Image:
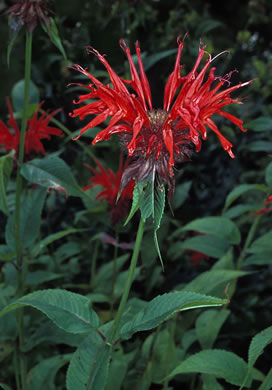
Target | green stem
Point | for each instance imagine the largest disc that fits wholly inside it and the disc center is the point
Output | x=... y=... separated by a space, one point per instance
x=129 y=281
x=19 y=188
x=19 y=180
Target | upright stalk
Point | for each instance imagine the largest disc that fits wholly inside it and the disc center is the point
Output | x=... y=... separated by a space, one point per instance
x=129 y=281
x=28 y=50
x=19 y=187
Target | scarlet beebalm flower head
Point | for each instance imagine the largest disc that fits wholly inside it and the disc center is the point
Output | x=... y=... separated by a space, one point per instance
x=118 y=202
x=156 y=139
x=28 y=13
x=37 y=129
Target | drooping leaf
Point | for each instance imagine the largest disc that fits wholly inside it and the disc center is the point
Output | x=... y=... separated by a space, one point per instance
x=163 y=307
x=51 y=171
x=89 y=366
x=69 y=311
x=30 y=219
x=52 y=31
x=219 y=363
x=5 y=171
x=257 y=345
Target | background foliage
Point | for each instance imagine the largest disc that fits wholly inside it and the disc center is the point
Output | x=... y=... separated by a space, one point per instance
x=215 y=196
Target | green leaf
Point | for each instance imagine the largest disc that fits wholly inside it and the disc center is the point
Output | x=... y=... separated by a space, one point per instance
x=117 y=371
x=181 y=193
x=267 y=382
x=257 y=345
x=262 y=258
x=219 y=363
x=209 y=280
x=42 y=376
x=268 y=174
x=209 y=245
x=17 y=95
x=148 y=199
x=38 y=277
x=159 y=204
x=259 y=146
x=50 y=239
x=88 y=369
x=30 y=219
x=210 y=383
x=67 y=310
x=6 y=254
x=135 y=203
x=208 y=325
x=149 y=61
x=240 y=190
x=263 y=123
x=52 y=172
x=262 y=244
x=47 y=332
x=5 y=171
x=163 y=307
x=220 y=227
x=52 y=31
x=240 y=209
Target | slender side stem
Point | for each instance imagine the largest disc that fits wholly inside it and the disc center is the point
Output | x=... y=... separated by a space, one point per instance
x=129 y=281
x=19 y=187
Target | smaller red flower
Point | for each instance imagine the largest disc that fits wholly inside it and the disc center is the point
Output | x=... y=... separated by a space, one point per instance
x=28 y=13
x=265 y=209
x=37 y=129
x=110 y=182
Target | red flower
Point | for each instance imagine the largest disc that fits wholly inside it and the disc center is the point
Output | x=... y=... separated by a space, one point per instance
x=37 y=129
x=266 y=209
x=156 y=138
x=28 y=13
x=110 y=182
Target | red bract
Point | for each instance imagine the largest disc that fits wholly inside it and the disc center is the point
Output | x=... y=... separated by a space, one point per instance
x=110 y=183
x=28 y=13
x=157 y=139
x=37 y=129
